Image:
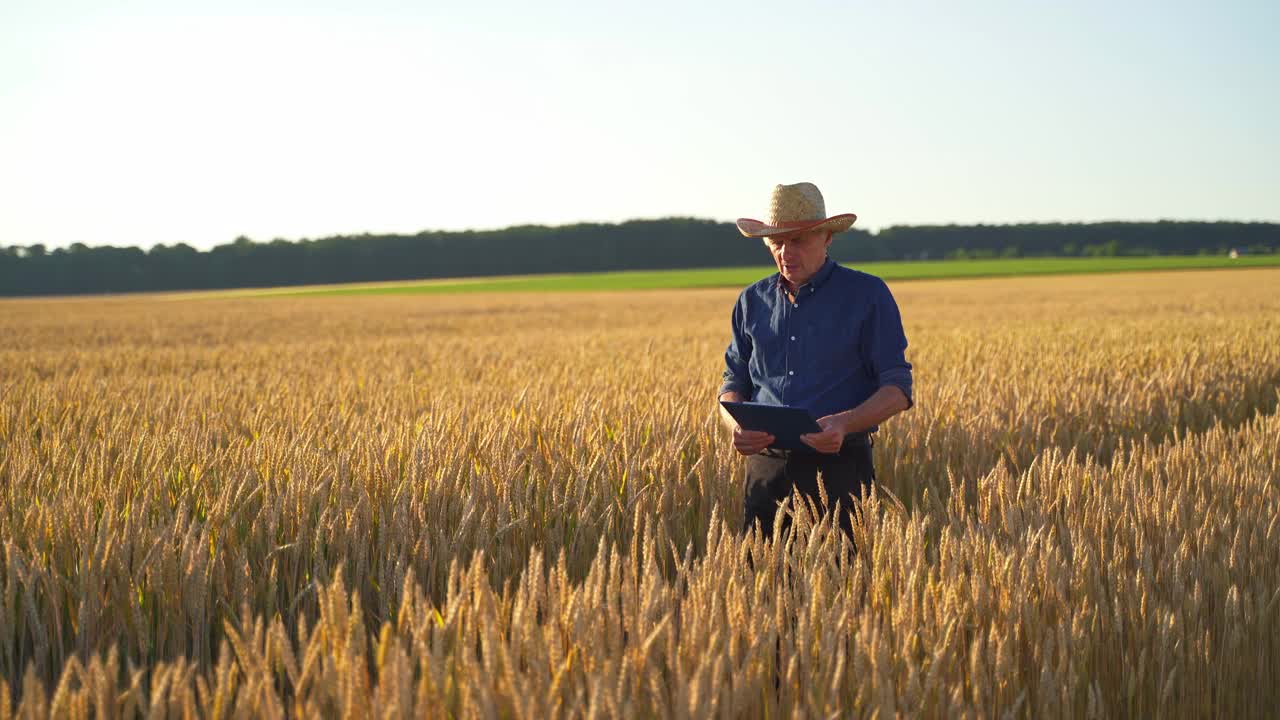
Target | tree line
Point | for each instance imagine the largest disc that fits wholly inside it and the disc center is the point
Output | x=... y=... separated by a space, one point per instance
x=669 y=243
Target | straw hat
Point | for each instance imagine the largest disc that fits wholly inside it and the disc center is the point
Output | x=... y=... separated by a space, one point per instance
x=795 y=209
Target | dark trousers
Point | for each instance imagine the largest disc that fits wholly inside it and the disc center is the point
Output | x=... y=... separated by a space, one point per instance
x=772 y=475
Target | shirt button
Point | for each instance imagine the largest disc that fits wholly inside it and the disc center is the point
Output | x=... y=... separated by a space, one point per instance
x=791 y=372
x=793 y=337
x=795 y=304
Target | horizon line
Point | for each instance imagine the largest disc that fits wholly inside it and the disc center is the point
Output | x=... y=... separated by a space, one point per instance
x=619 y=223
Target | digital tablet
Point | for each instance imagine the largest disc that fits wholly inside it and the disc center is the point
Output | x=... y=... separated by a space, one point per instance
x=786 y=424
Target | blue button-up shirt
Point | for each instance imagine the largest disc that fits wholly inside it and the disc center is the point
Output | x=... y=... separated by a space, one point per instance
x=827 y=352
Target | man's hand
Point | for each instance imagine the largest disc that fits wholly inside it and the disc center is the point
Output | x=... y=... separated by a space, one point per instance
x=750 y=442
x=747 y=442
x=830 y=439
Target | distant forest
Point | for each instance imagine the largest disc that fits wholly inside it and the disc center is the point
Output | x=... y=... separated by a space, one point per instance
x=636 y=245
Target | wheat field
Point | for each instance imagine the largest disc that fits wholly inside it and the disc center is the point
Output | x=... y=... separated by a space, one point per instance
x=522 y=505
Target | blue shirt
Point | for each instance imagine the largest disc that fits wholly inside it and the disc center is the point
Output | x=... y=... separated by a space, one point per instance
x=830 y=350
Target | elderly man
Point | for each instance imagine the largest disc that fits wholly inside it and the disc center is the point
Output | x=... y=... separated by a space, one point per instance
x=818 y=336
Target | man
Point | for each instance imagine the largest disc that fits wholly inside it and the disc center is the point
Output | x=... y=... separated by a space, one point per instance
x=822 y=337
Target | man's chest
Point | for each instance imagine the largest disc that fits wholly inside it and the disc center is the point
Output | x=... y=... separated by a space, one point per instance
x=812 y=333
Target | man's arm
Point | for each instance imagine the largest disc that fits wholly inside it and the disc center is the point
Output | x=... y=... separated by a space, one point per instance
x=737 y=384
x=725 y=417
x=883 y=404
x=737 y=371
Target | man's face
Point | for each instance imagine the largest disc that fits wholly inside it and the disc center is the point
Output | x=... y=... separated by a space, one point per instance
x=799 y=256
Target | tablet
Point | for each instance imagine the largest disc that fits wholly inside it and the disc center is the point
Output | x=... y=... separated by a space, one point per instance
x=786 y=424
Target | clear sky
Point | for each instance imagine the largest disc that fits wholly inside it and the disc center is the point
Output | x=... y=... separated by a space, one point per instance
x=134 y=123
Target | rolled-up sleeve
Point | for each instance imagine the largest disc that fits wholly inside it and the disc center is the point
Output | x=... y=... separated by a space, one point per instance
x=737 y=375
x=884 y=344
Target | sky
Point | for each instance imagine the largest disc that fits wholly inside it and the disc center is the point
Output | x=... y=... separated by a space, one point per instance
x=137 y=123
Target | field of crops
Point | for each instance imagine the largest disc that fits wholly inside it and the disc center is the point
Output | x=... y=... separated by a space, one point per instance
x=521 y=504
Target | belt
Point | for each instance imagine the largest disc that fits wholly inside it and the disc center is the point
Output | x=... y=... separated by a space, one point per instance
x=851 y=440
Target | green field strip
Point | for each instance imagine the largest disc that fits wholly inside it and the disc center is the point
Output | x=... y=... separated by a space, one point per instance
x=741 y=276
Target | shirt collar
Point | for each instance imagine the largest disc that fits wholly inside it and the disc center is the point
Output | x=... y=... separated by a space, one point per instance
x=815 y=282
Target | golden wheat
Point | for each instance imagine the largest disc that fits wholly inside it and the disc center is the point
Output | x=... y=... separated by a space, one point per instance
x=522 y=505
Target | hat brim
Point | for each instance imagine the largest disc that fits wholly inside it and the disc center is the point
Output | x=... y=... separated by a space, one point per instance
x=757 y=229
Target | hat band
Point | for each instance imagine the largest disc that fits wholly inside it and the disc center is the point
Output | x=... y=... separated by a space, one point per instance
x=797 y=223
